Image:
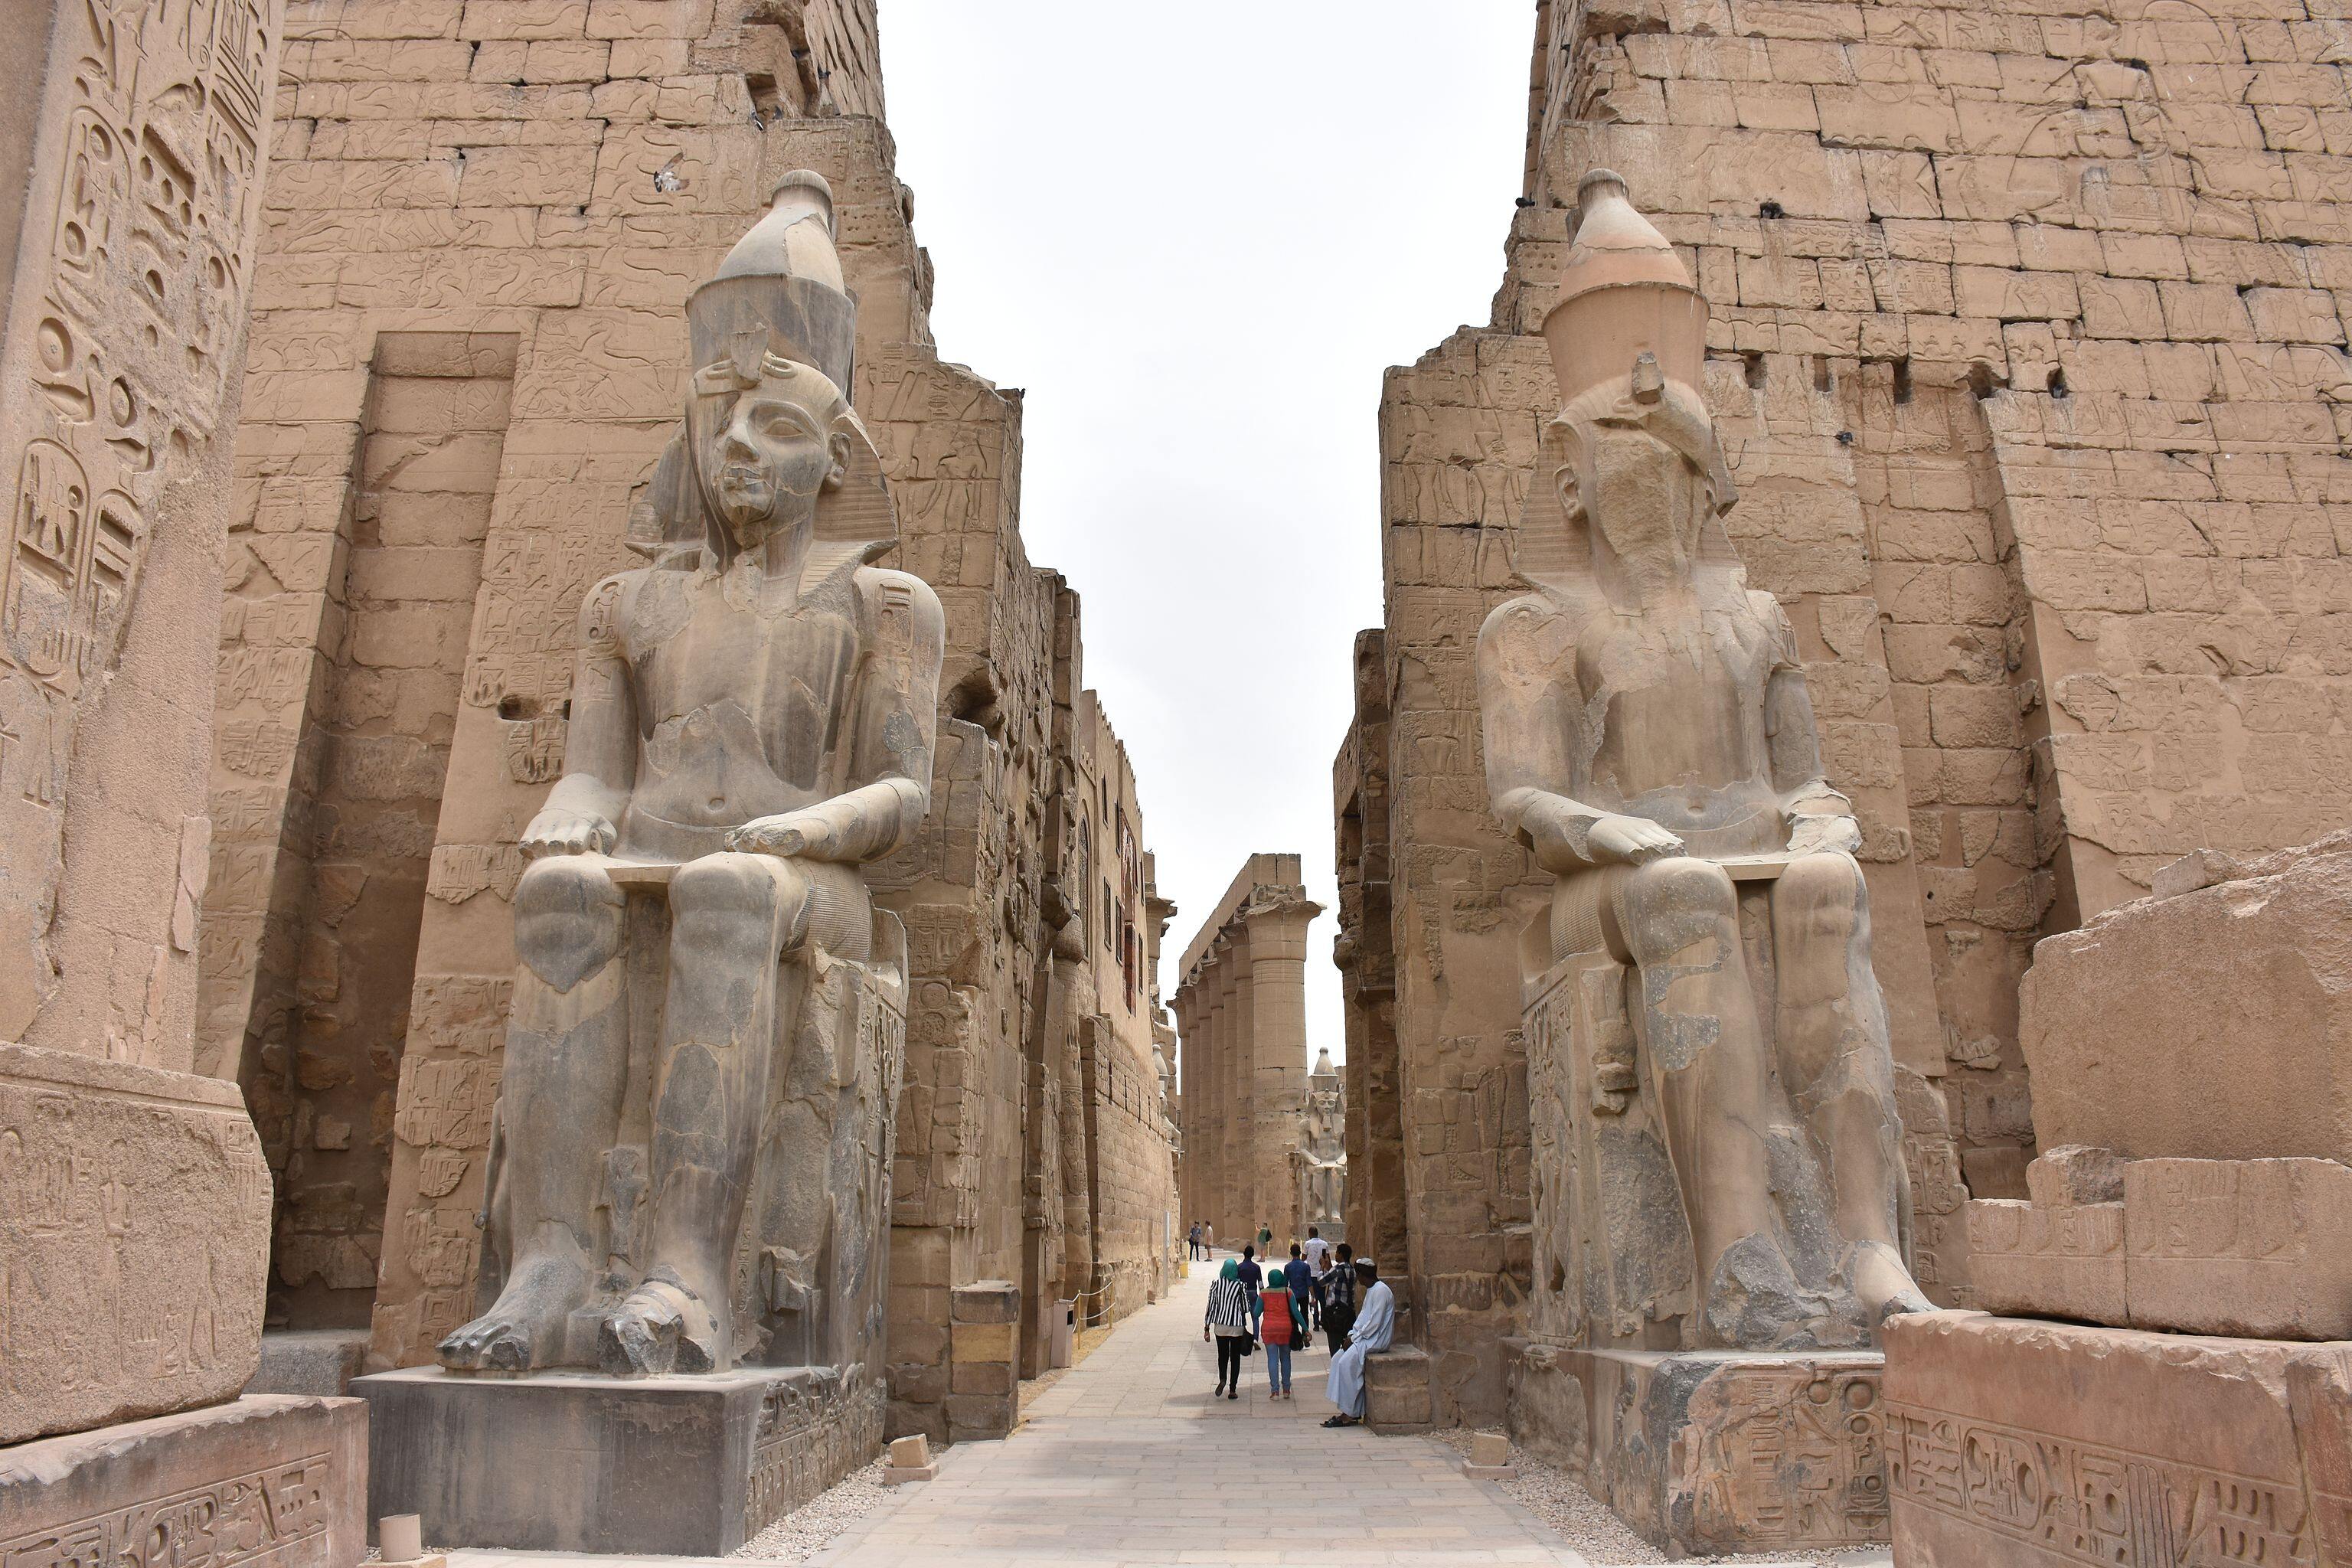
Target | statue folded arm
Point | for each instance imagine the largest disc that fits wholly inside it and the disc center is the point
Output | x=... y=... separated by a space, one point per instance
x=894 y=722
x=1530 y=716
x=1819 y=818
x=599 y=750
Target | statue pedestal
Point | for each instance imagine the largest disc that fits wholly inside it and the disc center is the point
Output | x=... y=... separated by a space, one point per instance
x=690 y=1466
x=1707 y=1452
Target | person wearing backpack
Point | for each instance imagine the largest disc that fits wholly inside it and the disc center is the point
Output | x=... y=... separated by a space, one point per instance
x=1339 y=1299
x=1276 y=1330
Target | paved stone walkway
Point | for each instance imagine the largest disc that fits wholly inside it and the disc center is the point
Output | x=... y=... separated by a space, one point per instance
x=1128 y=1460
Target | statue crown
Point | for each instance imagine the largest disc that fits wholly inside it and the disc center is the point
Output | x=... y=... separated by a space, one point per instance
x=1624 y=294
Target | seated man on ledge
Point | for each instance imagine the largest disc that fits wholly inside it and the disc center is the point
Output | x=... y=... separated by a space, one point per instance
x=1372 y=1330
x=749 y=729
x=1650 y=740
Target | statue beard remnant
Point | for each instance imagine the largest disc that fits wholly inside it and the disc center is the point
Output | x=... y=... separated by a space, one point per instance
x=696 y=1109
x=1649 y=739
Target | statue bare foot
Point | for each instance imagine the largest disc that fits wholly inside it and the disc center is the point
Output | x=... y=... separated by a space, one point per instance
x=1881 y=1282
x=660 y=1327
x=1754 y=1302
x=525 y=1325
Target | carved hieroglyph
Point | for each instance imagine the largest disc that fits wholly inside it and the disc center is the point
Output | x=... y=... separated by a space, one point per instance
x=1706 y=962
x=694 y=1126
x=125 y=334
x=134 y=1233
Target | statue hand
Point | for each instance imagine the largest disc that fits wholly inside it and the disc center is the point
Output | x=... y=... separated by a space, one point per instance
x=785 y=834
x=559 y=831
x=1634 y=840
x=1810 y=835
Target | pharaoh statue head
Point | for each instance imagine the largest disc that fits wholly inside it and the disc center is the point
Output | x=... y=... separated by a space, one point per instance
x=1640 y=480
x=771 y=445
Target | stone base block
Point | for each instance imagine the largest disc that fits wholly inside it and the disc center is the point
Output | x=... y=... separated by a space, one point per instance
x=1489 y=1472
x=2242 y=1248
x=266 y=1479
x=310 y=1360
x=896 y=1476
x=1705 y=1452
x=688 y=1467
x=1397 y=1399
x=2013 y=1443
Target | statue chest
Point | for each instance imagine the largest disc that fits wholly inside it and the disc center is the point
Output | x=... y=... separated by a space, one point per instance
x=1679 y=713
x=742 y=706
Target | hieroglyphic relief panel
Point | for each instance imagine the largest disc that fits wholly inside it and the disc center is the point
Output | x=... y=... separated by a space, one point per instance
x=267 y=1516
x=133 y=1229
x=124 y=345
x=2052 y=1501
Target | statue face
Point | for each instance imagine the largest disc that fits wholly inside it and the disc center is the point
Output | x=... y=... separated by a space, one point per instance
x=766 y=450
x=1648 y=500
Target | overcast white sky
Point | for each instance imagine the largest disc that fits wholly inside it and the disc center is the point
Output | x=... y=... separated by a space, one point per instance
x=1196 y=233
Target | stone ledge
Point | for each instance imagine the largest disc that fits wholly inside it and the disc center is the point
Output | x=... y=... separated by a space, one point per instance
x=2250 y=1249
x=267 y=1479
x=2018 y=1441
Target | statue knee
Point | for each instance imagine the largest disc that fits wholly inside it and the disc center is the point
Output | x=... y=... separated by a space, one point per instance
x=568 y=918
x=1685 y=887
x=730 y=888
x=1823 y=897
x=1674 y=902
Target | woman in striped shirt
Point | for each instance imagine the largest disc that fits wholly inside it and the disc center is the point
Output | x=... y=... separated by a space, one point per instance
x=1228 y=1321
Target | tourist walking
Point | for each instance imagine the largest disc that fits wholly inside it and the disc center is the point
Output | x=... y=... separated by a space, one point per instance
x=1317 y=1251
x=1339 y=1299
x=1227 y=1322
x=1192 y=1241
x=1375 y=1326
x=1277 y=1331
x=1301 y=1282
x=1252 y=1277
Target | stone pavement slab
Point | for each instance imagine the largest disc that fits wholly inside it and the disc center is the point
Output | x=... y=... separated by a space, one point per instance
x=1128 y=1460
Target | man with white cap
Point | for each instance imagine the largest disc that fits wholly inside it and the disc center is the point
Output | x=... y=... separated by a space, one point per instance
x=1374 y=1328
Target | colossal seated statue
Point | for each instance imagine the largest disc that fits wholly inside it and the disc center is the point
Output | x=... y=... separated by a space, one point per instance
x=1649 y=740
x=685 y=1130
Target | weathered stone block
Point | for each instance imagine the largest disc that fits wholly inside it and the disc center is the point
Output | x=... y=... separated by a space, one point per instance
x=266 y=1480
x=983 y=1342
x=2056 y=1259
x=1397 y=1396
x=2261 y=1248
x=2033 y=1443
x=580 y=1462
x=310 y=1360
x=134 y=1234
x=1718 y=1451
x=977 y=1418
x=987 y=1301
x=2211 y=1025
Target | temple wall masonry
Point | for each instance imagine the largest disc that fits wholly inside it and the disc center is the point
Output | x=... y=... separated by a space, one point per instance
x=2027 y=349
x=467 y=357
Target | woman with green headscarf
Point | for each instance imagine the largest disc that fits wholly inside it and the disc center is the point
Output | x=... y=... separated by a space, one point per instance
x=1228 y=1321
